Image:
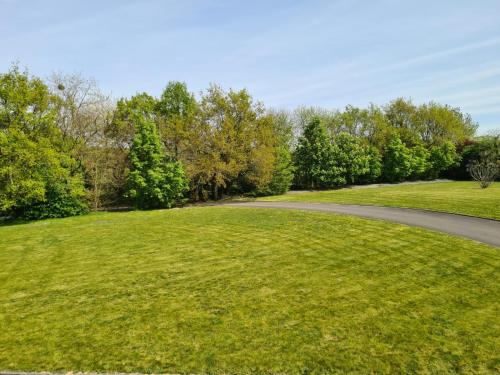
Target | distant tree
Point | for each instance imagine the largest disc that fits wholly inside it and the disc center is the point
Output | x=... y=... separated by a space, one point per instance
x=153 y=182
x=84 y=115
x=420 y=163
x=37 y=179
x=283 y=170
x=374 y=166
x=397 y=161
x=176 y=110
x=350 y=159
x=123 y=123
x=232 y=148
x=436 y=124
x=313 y=158
x=442 y=158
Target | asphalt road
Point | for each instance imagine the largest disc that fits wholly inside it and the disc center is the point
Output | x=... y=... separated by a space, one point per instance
x=482 y=230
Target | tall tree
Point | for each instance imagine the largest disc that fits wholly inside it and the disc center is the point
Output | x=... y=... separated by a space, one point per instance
x=313 y=157
x=37 y=178
x=176 y=111
x=84 y=115
x=153 y=181
x=398 y=162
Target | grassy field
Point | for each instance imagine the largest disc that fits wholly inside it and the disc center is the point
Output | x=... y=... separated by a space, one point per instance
x=238 y=290
x=457 y=197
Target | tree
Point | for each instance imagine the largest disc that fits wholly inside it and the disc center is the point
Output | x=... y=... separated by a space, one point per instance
x=436 y=124
x=442 y=158
x=397 y=161
x=374 y=166
x=283 y=169
x=153 y=182
x=401 y=115
x=232 y=149
x=37 y=179
x=84 y=115
x=420 y=164
x=176 y=110
x=350 y=158
x=313 y=158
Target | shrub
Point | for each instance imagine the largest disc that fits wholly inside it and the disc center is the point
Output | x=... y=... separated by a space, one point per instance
x=483 y=172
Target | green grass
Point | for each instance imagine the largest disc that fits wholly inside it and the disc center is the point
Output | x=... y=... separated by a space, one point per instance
x=239 y=290
x=465 y=198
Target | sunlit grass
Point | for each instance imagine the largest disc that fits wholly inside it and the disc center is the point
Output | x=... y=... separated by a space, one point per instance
x=238 y=290
x=456 y=197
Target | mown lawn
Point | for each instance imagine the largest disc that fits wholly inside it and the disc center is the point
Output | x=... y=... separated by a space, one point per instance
x=239 y=290
x=465 y=198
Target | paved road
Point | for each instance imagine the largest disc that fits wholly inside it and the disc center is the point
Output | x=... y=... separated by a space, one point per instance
x=482 y=230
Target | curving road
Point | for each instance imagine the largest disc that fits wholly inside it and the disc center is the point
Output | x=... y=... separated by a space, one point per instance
x=482 y=230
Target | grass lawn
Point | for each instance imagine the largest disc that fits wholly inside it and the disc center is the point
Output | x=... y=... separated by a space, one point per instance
x=239 y=290
x=457 y=197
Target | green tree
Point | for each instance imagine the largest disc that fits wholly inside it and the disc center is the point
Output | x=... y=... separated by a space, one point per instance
x=176 y=110
x=442 y=158
x=283 y=171
x=232 y=149
x=313 y=158
x=350 y=158
x=420 y=164
x=374 y=166
x=37 y=178
x=153 y=182
x=397 y=161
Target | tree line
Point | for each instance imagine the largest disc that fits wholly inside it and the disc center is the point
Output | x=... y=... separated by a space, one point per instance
x=66 y=147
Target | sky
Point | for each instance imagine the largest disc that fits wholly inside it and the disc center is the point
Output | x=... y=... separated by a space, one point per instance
x=286 y=53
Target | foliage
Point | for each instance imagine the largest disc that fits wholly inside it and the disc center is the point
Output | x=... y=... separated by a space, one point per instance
x=234 y=146
x=176 y=109
x=351 y=158
x=313 y=158
x=153 y=182
x=483 y=172
x=442 y=158
x=37 y=178
x=420 y=163
x=374 y=166
x=84 y=115
x=397 y=161
x=283 y=170
x=226 y=142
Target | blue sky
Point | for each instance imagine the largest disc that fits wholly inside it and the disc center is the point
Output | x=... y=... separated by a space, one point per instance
x=286 y=53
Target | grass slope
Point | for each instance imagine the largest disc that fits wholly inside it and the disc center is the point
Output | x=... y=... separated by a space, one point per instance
x=237 y=290
x=456 y=197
